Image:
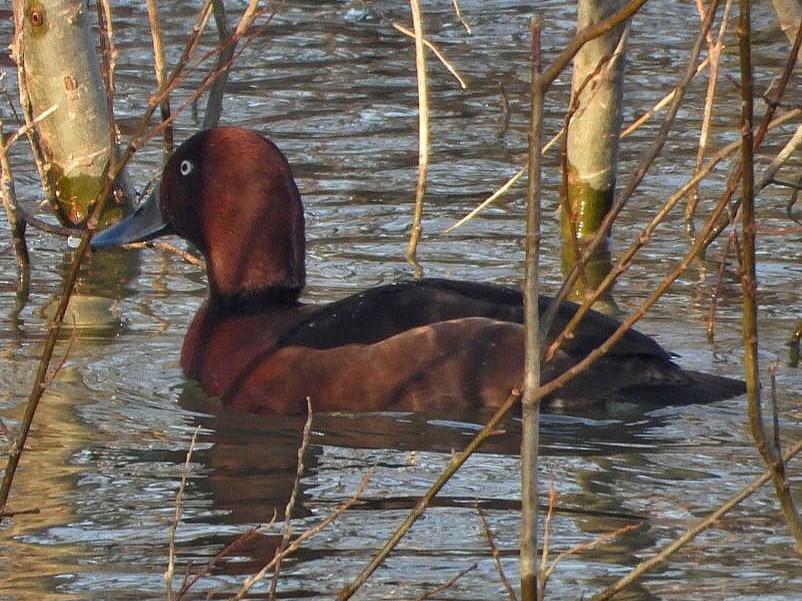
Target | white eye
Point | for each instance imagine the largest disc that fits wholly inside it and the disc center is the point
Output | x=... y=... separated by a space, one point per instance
x=186 y=167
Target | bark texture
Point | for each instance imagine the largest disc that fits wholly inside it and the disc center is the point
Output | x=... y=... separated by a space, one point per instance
x=59 y=71
x=592 y=145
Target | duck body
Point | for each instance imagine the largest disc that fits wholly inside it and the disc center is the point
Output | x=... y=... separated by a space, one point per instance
x=422 y=345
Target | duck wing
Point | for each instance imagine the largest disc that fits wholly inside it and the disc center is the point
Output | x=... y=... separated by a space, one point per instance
x=384 y=311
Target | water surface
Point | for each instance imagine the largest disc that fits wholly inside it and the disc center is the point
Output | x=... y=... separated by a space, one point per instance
x=333 y=84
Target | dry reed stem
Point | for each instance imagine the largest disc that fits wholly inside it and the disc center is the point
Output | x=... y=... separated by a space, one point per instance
x=692 y=532
x=714 y=48
x=660 y=104
x=505 y=187
x=495 y=554
x=716 y=295
x=15 y=220
x=179 y=511
x=602 y=539
x=780 y=159
x=160 y=71
x=190 y=580
x=303 y=537
x=423 y=135
x=530 y=401
x=437 y=52
x=290 y=507
x=448 y=584
x=547 y=568
x=458 y=12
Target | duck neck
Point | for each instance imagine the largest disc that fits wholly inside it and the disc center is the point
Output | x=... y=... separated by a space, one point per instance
x=253 y=301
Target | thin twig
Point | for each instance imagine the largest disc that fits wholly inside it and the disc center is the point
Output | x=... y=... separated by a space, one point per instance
x=690 y=534
x=448 y=584
x=787 y=151
x=290 y=507
x=505 y=187
x=547 y=567
x=172 y=249
x=495 y=554
x=296 y=544
x=714 y=48
x=437 y=52
x=771 y=456
x=660 y=105
x=455 y=4
x=544 y=554
x=161 y=72
x=10 y=513
x=530 y=401
x=190 y=580
x=420 y=507
x=179 y=511
x=716 y=295
x=15 y=221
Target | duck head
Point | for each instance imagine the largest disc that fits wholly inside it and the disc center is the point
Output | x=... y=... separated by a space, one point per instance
x=230 y=192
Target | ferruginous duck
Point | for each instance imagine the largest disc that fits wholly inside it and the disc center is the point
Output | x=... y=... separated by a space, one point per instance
x=428 y=344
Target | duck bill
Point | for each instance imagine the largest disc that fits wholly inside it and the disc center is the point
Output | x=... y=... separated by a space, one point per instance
x=146 y=223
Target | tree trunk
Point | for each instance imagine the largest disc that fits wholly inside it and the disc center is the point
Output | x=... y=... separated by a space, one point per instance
x=592 y=147
x=59 y=71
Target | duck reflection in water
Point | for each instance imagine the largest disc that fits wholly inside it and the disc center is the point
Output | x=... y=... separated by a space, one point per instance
x=250 y=469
